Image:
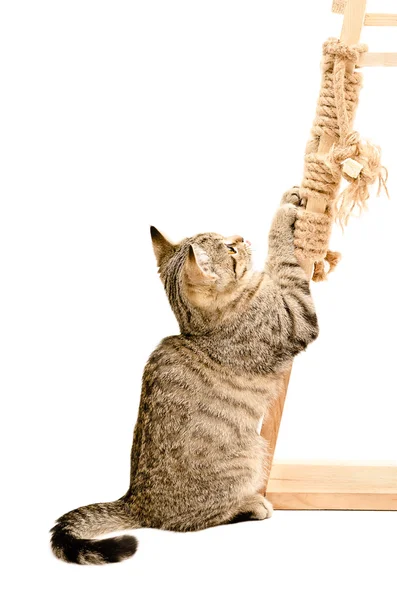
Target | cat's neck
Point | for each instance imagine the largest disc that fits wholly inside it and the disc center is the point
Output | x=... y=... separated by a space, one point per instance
x=210 y=312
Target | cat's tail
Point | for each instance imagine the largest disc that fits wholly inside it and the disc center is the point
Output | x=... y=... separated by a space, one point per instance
x=72 y=535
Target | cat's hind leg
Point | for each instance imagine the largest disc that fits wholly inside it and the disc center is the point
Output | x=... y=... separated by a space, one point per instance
x=254 y=508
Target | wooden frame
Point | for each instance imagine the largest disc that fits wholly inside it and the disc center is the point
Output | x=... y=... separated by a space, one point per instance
x=339 y=486
x=352 y=10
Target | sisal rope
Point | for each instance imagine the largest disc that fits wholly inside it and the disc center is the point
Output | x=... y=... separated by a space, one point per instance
x=355 y=160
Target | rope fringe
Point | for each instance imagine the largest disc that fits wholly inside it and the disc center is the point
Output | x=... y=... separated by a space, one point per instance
x=356 y=194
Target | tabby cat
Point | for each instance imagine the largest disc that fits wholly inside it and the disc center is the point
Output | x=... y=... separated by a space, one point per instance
x=197 y=459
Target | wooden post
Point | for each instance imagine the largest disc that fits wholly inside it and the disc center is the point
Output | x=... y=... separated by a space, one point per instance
x=351 y=31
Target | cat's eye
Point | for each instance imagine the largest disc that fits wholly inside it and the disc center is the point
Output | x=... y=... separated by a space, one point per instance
x=231 y=249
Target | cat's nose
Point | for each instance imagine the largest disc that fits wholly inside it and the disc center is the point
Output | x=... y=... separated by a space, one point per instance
x=247 y=242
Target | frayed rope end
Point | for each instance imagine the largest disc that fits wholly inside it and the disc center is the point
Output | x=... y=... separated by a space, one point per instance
x=359 y=163
x=319 y=272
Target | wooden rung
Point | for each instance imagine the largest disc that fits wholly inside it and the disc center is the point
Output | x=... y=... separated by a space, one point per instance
x=333 y=486
x=380 y=20
x=378 y=59
x=370 y=19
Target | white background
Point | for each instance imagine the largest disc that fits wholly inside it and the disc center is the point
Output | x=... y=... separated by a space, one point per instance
x=191 y=116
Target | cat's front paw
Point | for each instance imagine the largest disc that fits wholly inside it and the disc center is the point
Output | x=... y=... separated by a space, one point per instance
x=255 y=508
x=292 y=196
x=263 y=509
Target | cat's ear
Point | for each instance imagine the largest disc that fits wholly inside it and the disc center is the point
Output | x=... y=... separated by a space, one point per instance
x=163 y=249
x=197 y=267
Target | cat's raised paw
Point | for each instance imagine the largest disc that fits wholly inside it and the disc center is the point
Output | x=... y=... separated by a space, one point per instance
x=293 y=196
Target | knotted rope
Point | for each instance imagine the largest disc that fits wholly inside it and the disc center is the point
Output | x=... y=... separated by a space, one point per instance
x=357 y=161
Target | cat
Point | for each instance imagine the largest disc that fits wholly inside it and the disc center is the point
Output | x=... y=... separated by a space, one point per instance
x=197 y=459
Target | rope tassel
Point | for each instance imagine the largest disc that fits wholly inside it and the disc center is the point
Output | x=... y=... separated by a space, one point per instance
x=359 y=163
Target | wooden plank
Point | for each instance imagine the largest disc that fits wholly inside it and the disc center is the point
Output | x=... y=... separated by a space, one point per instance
x=333 y=486
x=380 y=20
x=370 y=19
x=270 y=426
x=378 y=59
x=353 y=22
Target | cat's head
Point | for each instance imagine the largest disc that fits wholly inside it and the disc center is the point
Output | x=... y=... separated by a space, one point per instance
x=205 y=269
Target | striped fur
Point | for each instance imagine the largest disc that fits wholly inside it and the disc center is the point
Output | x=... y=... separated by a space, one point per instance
x=197 y=459
x=71 y=535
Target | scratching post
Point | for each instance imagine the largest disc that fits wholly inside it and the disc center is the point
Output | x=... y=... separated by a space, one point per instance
x=334 y=151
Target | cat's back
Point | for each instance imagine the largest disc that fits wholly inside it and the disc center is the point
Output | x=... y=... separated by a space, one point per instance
x=182 y=373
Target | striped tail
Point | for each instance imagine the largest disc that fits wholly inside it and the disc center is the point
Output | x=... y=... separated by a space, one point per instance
x=72 y=535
